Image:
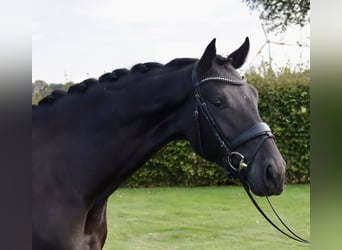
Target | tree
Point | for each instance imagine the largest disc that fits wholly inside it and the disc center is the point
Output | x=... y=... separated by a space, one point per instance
x=39 y=89
x=279 y=14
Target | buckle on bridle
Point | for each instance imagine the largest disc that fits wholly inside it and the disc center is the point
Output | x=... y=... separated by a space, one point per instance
x=239 y=167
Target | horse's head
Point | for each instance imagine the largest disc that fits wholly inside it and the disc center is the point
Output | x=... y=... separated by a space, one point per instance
x=229 y=130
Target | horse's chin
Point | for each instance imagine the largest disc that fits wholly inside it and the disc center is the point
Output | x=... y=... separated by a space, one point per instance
x=259 y=189
x=261 y=193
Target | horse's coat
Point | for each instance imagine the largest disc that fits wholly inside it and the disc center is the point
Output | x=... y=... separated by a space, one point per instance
x=86 y=142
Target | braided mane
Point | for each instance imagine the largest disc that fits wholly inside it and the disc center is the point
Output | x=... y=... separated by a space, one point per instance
x=111 y=77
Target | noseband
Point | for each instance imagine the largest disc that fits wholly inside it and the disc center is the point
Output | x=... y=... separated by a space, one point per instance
x=261 y=129
x=235 y=169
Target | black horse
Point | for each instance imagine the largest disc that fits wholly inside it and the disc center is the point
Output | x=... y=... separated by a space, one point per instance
x=87 y=141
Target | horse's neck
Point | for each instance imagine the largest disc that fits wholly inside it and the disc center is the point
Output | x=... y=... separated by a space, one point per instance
x=138 y=123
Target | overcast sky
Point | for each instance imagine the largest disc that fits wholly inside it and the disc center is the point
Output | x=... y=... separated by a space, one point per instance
x=76 y=39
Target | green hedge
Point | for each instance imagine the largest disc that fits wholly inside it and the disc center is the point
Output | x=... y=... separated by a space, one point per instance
x=176 y=164
x=284 y=100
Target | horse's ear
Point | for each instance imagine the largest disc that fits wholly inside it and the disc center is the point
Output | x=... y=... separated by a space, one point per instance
x=238 y=57
x=207 y=58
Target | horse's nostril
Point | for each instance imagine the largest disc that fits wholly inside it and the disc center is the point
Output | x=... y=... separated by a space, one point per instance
x=273 y=180
x=269 y=174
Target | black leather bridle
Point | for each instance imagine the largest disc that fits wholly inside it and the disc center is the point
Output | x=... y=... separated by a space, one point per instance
x=234 y=162
x=260 y=129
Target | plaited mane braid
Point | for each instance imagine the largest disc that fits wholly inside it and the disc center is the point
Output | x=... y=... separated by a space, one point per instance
x=111 y=77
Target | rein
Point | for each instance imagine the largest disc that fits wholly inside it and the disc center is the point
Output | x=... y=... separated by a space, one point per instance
x=233 y=169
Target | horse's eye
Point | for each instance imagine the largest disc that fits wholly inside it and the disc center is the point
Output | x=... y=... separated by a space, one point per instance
x=217 y=102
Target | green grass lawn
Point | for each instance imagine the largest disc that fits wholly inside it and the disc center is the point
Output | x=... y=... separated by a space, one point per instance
x=203 y=218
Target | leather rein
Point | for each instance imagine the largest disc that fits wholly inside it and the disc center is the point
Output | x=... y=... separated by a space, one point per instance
x=234 y=162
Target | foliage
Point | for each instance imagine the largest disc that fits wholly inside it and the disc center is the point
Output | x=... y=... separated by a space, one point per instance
x=41 y=89
x=284 y=99
x=280 y=14
x=176 y=164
